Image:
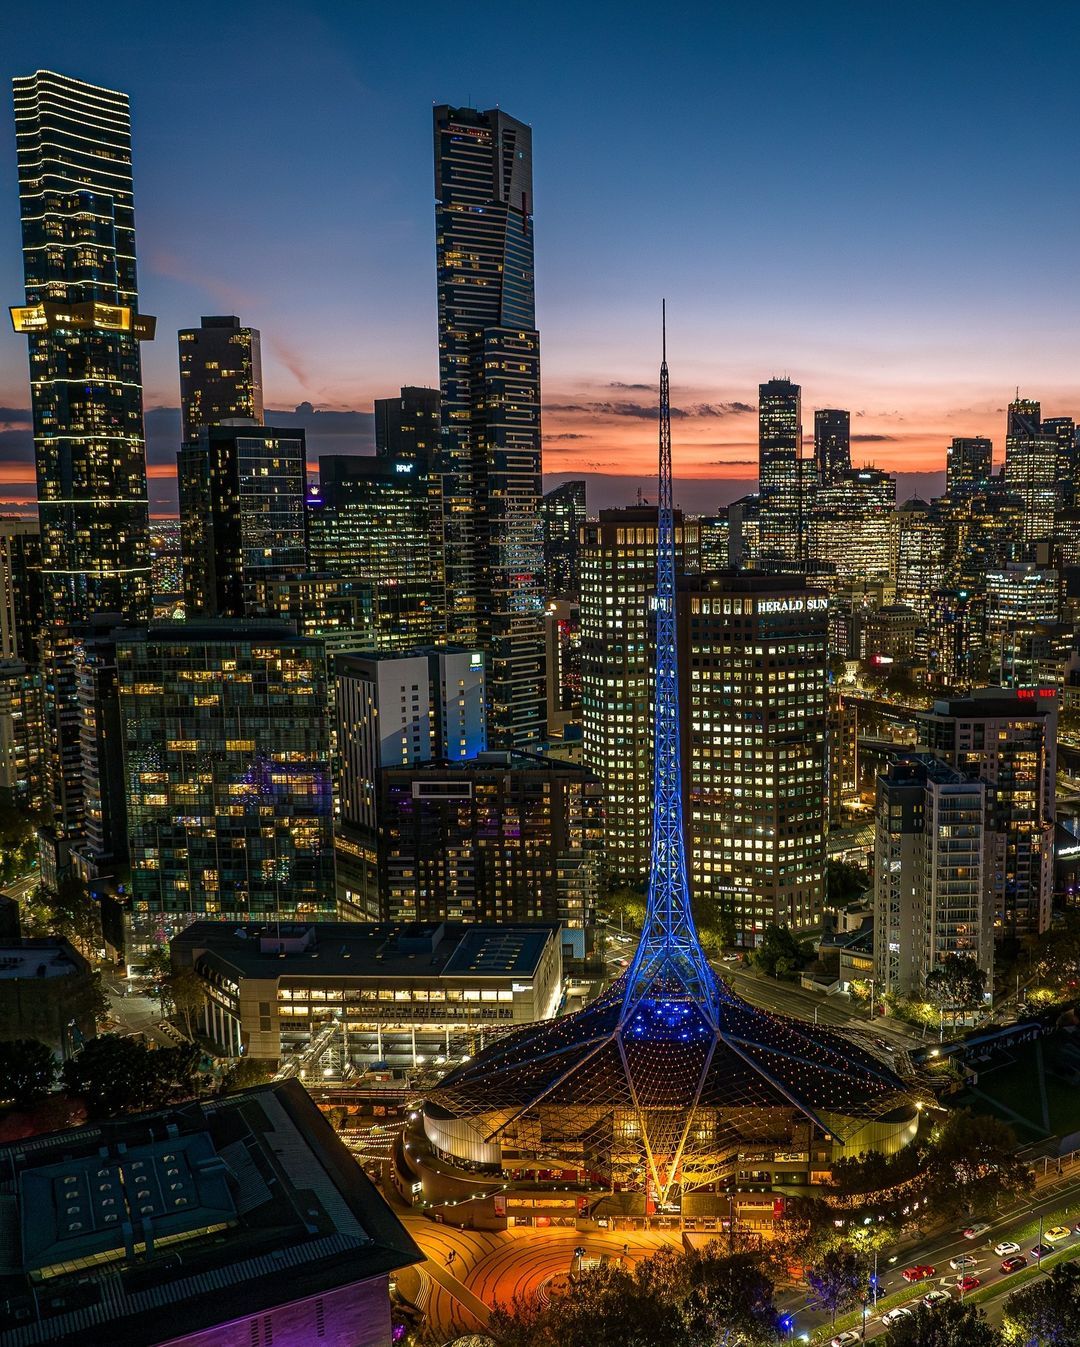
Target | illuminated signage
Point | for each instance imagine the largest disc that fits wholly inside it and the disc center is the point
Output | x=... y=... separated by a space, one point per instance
x=792 y=605
x=476 y=660
x=403 y=467
x=1030 y=694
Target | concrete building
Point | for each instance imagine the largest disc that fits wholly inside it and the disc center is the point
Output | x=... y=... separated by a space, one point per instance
x=22 y=736
x=47 y=992
x=225 y=1223
x=21 y=614
x=358 y=993
x=930 y=896
x=563 y=630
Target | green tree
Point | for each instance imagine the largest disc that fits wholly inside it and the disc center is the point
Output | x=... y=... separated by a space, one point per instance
x=781 y=951
x=956 y=981
x=27 y=1071
x=605 y=1307
x=730 y=1299
x=1047 y=1312
x=243 y=1073
x=845 y=881
x=186 y=993
x=972 y=1165
x=75 y=914
x=158 y=973
x=950 y=1324
x=839 y=1280
x=115 y=1074
x=18 y=843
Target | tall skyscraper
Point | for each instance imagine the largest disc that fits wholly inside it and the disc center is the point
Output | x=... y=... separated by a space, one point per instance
x=832 y=443
x=242 y=492
x=407 y=427
x=21 y=613
x=968 y=466
x=82 y=320
x=782 y=480
x=220 y=374
x=563 y=513
x=489 y=373
x=1062 y=430
x=1031 y=468
x=850 y=528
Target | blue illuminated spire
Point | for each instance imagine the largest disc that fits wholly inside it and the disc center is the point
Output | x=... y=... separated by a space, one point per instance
x=669 y=965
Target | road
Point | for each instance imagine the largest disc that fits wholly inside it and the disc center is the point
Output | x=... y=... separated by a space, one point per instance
x=135 y=1014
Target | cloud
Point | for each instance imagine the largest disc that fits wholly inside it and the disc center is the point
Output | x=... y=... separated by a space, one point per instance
x=566 y=435
x=742 y=462
x=636 y=388
x=871 y=439
x=647 y=411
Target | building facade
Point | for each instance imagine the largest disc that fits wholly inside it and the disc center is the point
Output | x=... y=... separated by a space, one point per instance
x=968 y=466
x=22 y=736
x=489 y=374
x=562 y=513
x=21 y=613
x=1031 y=468
x=407 y=427
x=782 y=481
x=832 y=443
x=220 y=375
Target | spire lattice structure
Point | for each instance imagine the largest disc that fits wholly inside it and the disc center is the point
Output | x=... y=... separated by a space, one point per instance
x=669 y=963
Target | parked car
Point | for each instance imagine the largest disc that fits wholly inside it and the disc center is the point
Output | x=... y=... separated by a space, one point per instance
x=1006 y=1247
x=967 y=1282
x=1056 y=1234
x=974 y=1231
x=918 y=1273
x=1014 y=1264
x=845 y=1339
x=936 y=1297
x=961 y=1261
x=1076 y=1228
x=1041 y=1250
x=891 y=1317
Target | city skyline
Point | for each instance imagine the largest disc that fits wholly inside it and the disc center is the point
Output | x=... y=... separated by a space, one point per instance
x=890 y=299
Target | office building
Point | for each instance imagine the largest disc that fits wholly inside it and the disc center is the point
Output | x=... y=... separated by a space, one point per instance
x=378 y=522
x=497 y=837
x=394 y=995
x=241 y=1219
x=851 y=527
x=228 y=773
x=1062 y=430
x=242 y=491
x=755 y=727
x=489 y=373
x=968 y=466
x=562 y=514
x=22 y=736
x=101 y=852
x=21 y=612
x=930 y=897
x=1031 y=468
x=715 y=532
x=889 y=634
x=957 y=656
x=744 y=532
x=407 y=427
x=1009 y=740
x=563 y=629
x=83 y=327
x=982 y=533
x=783 y=484
x=618 y=578
x=220 y=375
x=920 y=556
x=832 y=443
x=395 y=711
x=47 y=991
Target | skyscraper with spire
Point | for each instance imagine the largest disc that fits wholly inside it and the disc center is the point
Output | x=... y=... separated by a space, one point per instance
x=489 y=373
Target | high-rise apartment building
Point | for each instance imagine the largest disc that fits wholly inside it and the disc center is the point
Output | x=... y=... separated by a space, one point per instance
x=783 y=482
x=920 y=555
x=957 y=656
x=968 y=466
x=563 y=626
x=618 y=580
x=395 y=711
x=228 y=773
x=562 y=513
x=378 y=521
x=850 y=527
x=753 y=656
x=930 y=898
x=21 y=613
x=242 y=491
x=1062 y=430
x=22 y=736
x=83 y=325
x=407 y=427
x=489 y=373
x=1031 y=468
x=832 y=443
x=1009 y=740
x=220 y=375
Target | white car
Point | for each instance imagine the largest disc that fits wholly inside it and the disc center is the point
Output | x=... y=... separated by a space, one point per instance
x=974 y=1231
x=1006 y=1247
x=891 y=1317
x=935 y=1297
x=962 y=1261
x=846 y=1338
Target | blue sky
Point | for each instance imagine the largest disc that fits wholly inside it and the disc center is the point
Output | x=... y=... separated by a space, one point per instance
x=878 y=200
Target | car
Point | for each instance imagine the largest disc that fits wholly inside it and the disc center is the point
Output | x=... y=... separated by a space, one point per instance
x=1076 y=1228
x=1013 y=1264
x=918 y=1273
x=1056 y=1234
x=974 y=1231
x=935 y=1297
x=846 y=1338
x=1041 y=1250
x=967 y=1282
x=1006 y=1247
x=962 y=1261
x=891 y=1317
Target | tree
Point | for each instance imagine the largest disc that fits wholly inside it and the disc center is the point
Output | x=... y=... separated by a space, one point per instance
x=781 y=951
x=971 y=1165
x=1047 y=1312
x=27 y=1071
x=243 y=1074
x=187 y=994
x=730 y=1299
x=75 y=914
x=115 y=1074
x=845 y=881
x=951 y=1324
x=956 y=981
x=158 y=972
x=839 y=1280
x=18 y=843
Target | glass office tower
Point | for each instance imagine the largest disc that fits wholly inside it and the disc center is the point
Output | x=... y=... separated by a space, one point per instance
x=489 y=371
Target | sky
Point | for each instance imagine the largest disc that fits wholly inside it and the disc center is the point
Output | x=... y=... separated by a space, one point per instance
x=878 y=201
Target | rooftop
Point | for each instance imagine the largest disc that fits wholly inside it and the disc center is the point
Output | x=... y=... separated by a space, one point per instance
x=246 y=1201
x=48 y=957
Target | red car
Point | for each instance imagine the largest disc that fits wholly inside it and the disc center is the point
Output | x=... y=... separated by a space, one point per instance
x=917 y=1274
x=967 y=1282
x=1014 y=1264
